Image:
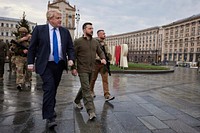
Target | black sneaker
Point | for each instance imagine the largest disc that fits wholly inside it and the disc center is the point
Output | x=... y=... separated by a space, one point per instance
x=108 y=98
x=51 y=123
x=54 y=115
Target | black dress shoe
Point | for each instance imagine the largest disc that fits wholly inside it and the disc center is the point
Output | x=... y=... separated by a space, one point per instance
x=19 y=87
x=54 y=115
x=51 y=123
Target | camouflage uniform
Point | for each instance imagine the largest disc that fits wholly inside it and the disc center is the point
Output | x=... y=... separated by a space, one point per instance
x=23 y=76
x=12 y=65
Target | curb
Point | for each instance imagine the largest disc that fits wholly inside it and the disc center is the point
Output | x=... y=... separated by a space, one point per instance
x=143 y=71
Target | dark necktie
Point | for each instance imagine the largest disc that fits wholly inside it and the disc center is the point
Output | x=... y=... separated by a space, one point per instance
x=55 y=46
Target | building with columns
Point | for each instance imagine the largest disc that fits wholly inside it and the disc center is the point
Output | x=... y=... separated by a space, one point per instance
x=177 y=41
x=68 y=14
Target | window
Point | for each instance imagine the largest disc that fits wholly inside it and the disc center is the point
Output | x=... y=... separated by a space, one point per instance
x=2 y=24
x=193 y=23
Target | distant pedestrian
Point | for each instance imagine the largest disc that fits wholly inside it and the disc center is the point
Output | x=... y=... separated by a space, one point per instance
x=86 y=48
x=101 y=68
x=3 y=53
x=51 y=50
x=12 y=58
x=198 y=64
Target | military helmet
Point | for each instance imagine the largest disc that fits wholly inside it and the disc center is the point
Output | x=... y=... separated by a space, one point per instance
x=23 y=29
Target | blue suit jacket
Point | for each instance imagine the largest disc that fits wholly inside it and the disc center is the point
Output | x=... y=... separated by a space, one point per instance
x=39 y=48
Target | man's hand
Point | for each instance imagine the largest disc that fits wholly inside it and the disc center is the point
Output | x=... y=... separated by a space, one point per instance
x=103 y=61
x=31 y=67
x=26 y=38
x=74 y=72
x=25 y=51
x=70 y=63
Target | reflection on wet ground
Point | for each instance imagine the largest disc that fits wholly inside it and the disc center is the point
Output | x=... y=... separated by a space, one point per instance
x=144 y=103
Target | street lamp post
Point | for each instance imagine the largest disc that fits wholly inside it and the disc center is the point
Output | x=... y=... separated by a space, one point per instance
x=77 y=22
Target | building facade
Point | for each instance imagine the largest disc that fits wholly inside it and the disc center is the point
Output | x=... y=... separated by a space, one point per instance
x=68 y=14
x=10 y=25
x=143 y=46
x=178 y=41
x=182 y=40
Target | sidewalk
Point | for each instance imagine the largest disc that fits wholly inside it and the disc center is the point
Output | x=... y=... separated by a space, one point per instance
x=144 y=103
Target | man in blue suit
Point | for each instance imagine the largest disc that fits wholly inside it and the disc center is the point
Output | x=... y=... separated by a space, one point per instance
x=50 y=51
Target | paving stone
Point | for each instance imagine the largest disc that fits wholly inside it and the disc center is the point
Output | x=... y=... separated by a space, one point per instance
x=128 y=121
x=158 y=100
x=188 y=120
x=160 y=114
x=154 y=101
x=137 y=98
x=171 y=110
x=152 y=122
x=180 y=127
x=163 y=131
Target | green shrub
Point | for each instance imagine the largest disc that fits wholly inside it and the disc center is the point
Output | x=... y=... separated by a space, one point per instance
x=139 y=66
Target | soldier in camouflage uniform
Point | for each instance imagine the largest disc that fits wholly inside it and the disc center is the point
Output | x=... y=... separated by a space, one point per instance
x=23 y=76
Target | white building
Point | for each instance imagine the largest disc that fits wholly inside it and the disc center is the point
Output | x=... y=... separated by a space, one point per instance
x=8 y=26
x=177 y=41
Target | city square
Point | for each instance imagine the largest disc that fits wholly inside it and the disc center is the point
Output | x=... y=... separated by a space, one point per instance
x=145 y=55
x=144 y=103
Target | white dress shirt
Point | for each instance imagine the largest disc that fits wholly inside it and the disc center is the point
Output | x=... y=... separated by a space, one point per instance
x=51 y=28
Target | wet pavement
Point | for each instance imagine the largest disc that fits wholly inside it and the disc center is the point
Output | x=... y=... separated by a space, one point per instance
x=144 y=103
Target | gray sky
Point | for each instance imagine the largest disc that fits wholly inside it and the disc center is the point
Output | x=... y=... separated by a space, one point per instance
x=114 y=16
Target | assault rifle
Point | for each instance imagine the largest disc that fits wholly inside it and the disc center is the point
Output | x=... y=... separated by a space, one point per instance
x=107 y=60
x=18 y=44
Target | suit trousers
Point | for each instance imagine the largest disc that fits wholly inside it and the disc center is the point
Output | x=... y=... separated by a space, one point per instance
x=84 y=92
x=51 y=79
x=2 y=62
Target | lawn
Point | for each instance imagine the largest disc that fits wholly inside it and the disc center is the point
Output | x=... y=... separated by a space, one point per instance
x=139 y=66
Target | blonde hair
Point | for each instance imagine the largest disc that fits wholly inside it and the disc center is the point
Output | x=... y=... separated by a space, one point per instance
x=51 y=12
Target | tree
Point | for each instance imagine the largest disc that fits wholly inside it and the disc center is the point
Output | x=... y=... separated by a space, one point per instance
x=22 y=23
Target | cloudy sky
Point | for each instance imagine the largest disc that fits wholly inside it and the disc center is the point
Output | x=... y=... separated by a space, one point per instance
x=114 y=16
